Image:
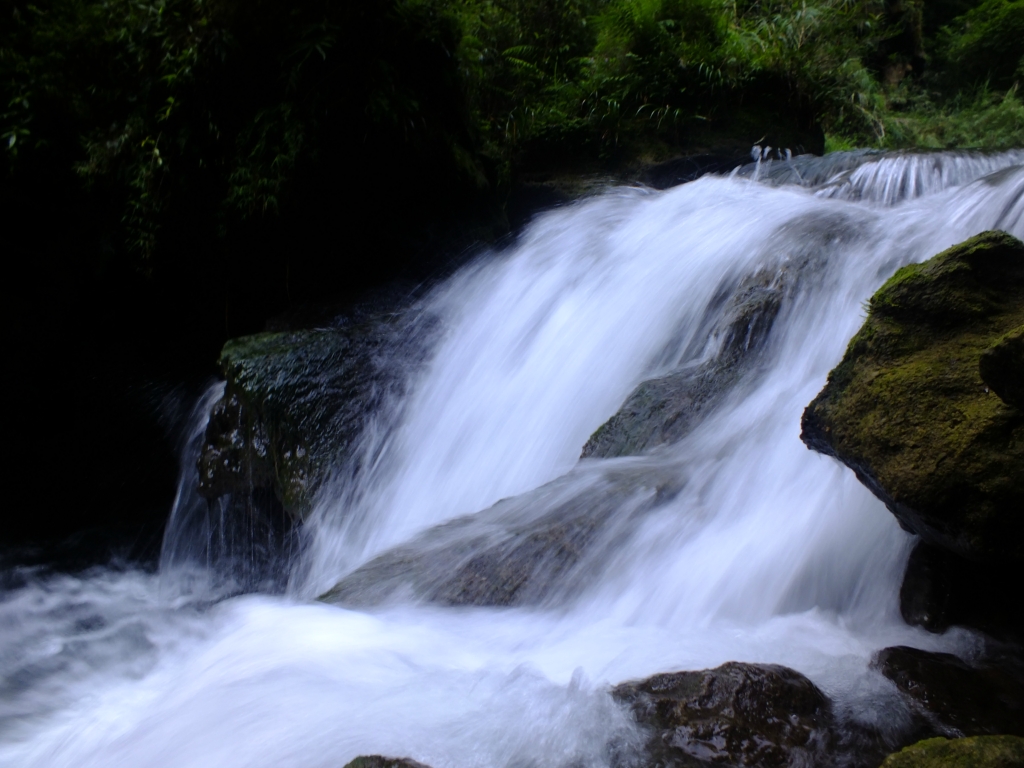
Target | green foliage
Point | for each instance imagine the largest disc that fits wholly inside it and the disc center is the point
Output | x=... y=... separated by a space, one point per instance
x=987 y=119
x=221 y=104
x=169 y=109
x=986 y=44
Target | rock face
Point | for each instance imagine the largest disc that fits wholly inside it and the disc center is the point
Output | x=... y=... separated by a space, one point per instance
x=974 y=752
x=1002 y=368
x=737 y=715
x=294 y=404
x=941 y=589
x=922 y=405
x=959 y=699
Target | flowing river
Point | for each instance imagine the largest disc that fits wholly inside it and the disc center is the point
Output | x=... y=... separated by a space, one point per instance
x=762 y=551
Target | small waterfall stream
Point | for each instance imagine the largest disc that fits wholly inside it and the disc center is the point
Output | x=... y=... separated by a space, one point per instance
x=733 y=543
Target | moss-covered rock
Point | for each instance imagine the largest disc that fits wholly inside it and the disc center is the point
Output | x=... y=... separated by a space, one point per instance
x=972 y=752
x=295 y=402
x=1002 y=368
x=738 y=714
x=907 y=408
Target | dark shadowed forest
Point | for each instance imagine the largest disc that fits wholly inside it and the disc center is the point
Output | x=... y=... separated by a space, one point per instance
x=177 y=173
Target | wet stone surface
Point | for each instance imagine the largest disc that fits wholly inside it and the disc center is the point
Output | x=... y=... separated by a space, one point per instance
x=957 y=698
x=736 y=715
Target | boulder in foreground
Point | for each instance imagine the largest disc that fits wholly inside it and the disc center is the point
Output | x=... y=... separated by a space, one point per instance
x=738 y=714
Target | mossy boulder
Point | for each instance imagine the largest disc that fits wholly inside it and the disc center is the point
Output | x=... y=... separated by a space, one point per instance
x=295 y=403
x=1002 y=367
x=908 y=408
x=738 y=714
x=971 y=752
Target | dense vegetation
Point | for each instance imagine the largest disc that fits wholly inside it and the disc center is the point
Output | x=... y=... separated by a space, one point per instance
x=174 y=172
x=211 y=112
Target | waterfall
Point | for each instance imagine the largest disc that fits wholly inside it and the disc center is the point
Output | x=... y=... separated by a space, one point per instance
x=733 y=542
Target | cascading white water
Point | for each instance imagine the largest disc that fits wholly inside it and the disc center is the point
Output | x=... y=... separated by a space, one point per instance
x=767 y=552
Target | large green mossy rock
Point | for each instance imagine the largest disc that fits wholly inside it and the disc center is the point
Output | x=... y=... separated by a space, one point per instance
x=924 y=405
x=973 y=752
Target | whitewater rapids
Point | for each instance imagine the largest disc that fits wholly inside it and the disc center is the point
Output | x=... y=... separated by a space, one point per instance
x=769 y=552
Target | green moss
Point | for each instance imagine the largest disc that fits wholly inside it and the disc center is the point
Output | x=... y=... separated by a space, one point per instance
x=974 y=752
x=908 y=410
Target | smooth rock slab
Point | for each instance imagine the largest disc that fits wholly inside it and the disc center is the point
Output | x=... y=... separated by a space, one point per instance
x=544 y=545
x=941 y=589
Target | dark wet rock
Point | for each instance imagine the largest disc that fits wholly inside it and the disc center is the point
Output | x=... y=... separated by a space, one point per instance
x=664 y=409
x=731 y=344
x=295 y=402
x=521 y=551
x=908 y=411
x=941 y=589
x=378 y=761
x=971 y=752
x=761 y=715
x=960 y=699
x=1002 y=368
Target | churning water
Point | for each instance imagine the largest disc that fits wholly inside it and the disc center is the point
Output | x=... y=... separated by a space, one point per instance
x=762 y=551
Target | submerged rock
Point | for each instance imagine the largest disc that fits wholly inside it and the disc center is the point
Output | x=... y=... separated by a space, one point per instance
x=972 y=752
x=379 y=761
x=957 y=698
x=730 y=345
x=908 y=410
x=738 y=714
x=664 y=409
x=521 y=551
